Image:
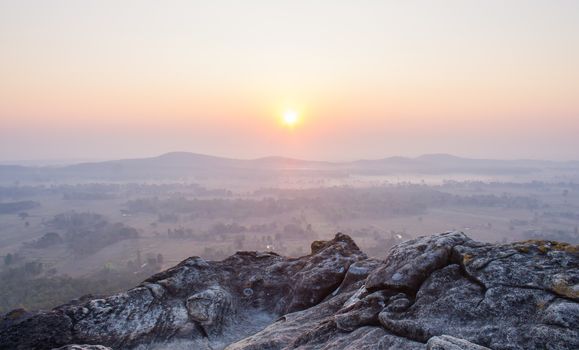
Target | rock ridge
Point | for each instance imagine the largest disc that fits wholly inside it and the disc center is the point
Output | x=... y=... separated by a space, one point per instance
x=444 y=291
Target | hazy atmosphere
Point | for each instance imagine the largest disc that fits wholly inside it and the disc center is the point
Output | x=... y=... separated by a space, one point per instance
x=284 y=175
x=369 y=79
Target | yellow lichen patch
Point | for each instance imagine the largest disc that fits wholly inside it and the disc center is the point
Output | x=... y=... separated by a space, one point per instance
x=544 y=249
x=466 y=258
x=316 y=246
x=541 y=304
x=545 y=246
x=565 y=247
x=535 y=241
x=561 y=287
x=559 y=245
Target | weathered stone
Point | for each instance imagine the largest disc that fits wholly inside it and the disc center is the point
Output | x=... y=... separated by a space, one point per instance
x=362 y=313
x=410 y=263
x=211 y=308
x=83 y=347
x=563 y=314
x=196 y=299
x=44 y=330
x=446 y=342
x=439 y=292
x=542 y=265
x=461 y=298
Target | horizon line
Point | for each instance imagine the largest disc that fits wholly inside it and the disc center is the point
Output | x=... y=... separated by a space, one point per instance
x=50 y=162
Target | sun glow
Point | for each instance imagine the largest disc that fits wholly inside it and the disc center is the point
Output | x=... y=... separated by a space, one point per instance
x=290 y=118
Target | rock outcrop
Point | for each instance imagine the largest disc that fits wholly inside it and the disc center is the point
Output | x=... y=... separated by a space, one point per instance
x=84 y=347
x=443 y=292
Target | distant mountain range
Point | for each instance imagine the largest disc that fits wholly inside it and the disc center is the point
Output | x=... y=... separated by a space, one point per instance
x=185 y=165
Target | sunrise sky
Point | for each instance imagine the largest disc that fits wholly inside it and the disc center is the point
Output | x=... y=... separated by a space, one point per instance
x=366 y=79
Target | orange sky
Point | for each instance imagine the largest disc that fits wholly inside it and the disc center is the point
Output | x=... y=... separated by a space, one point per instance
x=108 y=79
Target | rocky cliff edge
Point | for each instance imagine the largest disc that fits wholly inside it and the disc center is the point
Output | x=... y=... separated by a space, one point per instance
x=439 y=292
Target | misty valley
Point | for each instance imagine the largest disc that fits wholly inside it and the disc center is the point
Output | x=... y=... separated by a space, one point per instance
x=289 y=175
x=67 y=237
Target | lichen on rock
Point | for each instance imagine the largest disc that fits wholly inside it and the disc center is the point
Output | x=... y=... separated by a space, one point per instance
x=439 y=292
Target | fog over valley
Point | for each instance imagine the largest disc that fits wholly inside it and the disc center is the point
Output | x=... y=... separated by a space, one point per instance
x=289 y=175
x=101 y=227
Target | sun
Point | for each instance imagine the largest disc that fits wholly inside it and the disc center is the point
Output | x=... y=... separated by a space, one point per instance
x=290 y=118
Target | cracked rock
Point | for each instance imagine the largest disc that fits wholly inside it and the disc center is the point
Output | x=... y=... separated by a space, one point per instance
x=439 y=292
x=210 y=308
x=446 y=342
x=410 y=263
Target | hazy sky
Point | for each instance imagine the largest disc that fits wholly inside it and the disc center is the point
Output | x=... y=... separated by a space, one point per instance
x=115 y=79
